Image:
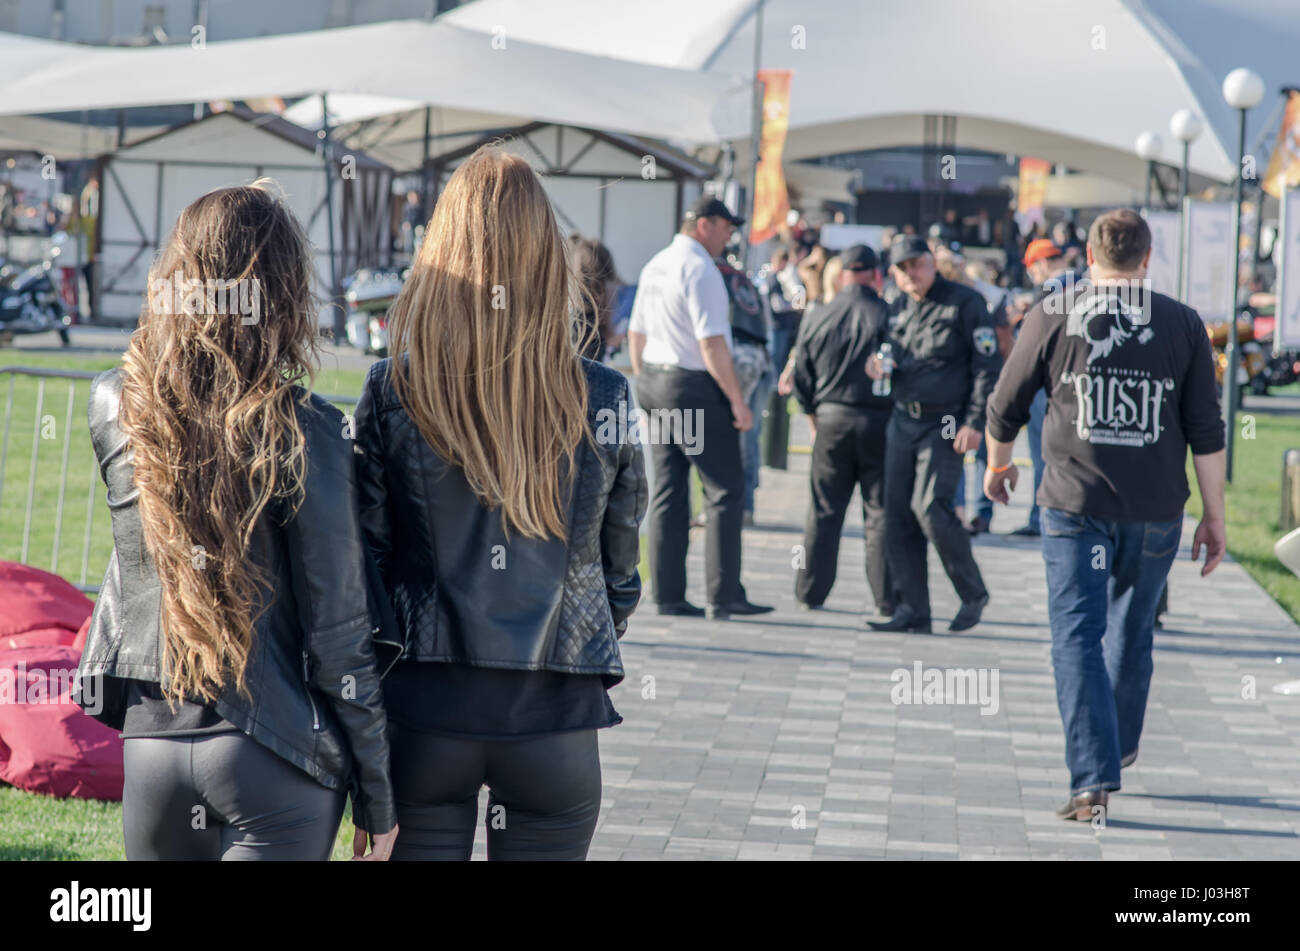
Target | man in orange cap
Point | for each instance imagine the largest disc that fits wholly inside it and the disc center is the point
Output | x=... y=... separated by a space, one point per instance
x=1045 y=264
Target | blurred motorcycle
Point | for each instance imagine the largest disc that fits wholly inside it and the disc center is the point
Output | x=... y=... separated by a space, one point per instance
x=1252 y=358
x=368 y=293
x=29 y=300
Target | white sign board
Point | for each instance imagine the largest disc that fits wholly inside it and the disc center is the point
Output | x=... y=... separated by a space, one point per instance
x=838 y=237
x=1286 y=335
x=1162 y=269
x=1206 y=277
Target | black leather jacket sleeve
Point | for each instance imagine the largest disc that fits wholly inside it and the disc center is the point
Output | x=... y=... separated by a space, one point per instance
x=620 y=532
x=372 y=484
x=329 y=580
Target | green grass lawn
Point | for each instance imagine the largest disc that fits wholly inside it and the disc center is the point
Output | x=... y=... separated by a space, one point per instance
x=1253 y=502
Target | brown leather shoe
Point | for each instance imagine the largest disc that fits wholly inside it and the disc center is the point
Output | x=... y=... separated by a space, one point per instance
x=1083 y=806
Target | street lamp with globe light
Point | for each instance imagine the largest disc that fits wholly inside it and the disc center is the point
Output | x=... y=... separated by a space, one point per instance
x=1185 y=126
x=1242 y=89
x=1149 y=147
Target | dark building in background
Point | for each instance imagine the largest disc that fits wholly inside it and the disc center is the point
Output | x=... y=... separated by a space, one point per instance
x=907 y=185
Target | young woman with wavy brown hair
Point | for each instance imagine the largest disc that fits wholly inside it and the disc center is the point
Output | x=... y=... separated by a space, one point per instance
x=501 y=491
x=598 y=285
x=233 y=637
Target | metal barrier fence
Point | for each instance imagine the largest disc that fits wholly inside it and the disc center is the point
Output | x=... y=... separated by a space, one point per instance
x=39 y=494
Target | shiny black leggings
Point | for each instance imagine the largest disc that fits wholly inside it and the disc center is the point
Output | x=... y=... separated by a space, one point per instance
x=543 y=803
x=223 y=796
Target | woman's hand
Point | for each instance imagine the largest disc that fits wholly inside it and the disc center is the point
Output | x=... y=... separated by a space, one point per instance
x=381 y=848
x=785 y=383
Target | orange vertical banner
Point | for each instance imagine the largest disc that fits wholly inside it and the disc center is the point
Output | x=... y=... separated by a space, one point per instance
x=1031 y=192
x=771 y=200
x=1284 y=164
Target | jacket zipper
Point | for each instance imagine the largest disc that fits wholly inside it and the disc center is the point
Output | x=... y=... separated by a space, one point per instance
x=401 y=652
x=306 y=680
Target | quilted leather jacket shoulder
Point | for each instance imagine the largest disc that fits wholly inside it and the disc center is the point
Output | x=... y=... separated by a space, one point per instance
x=315 y=690
x=465 y=591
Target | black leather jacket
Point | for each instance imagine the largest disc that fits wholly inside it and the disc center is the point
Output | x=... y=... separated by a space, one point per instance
x=461 y=590
x=316 y=697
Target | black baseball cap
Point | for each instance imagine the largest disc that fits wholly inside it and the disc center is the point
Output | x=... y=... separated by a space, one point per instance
x=706 y=206
x=907 y=246
x=858 y=257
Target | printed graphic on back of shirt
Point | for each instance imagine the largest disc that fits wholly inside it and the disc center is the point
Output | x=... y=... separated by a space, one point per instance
x=1115 y=406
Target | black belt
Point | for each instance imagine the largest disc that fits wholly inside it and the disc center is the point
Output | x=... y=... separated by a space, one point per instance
x=918 y=410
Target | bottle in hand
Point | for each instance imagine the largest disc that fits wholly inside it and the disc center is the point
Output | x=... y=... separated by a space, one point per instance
x=883 y=386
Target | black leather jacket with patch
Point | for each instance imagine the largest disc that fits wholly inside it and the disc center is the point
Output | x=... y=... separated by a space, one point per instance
x=315 y=687
x=464 y=592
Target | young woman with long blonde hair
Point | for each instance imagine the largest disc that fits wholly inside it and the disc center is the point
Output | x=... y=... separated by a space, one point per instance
x=232 y=640
x=501 y=491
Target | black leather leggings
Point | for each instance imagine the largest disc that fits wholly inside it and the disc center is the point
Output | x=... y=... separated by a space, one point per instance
x=543 y=804
x=223 y=796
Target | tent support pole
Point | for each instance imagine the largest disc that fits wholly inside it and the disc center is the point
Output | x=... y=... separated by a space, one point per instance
x=756 y=130
x=340 y=330
x=424 y=165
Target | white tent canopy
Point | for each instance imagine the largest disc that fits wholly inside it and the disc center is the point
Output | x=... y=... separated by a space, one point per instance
x=392 y=130
x=1071 y=82
x=145 y=186
x=435 y=63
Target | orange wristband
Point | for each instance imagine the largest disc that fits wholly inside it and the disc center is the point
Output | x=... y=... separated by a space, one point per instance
x=1009 y=465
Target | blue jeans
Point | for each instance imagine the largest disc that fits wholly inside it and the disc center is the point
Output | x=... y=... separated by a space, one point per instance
x=782 y=344
x=1037 y=410
x=983 y=504
x=750 y=455
x=1103 y=581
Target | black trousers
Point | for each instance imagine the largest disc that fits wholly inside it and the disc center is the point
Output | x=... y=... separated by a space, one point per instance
x=224 y=797
x=921 y=472
x=543 y=804
x=710 y=442
x=848 y=452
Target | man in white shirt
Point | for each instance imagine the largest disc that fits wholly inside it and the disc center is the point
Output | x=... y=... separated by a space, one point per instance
x=679 y=340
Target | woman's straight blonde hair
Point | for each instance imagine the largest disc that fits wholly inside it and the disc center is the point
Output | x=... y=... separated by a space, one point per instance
x=483 y=357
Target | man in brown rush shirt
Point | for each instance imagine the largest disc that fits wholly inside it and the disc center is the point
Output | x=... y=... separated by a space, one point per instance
x=1130 y=388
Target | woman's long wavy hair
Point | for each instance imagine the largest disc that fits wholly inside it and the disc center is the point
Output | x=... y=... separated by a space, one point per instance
x=483 y=355
x=208 y=412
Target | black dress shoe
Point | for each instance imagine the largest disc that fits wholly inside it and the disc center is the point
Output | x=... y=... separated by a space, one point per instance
x=681 y=609
x=969 y=615
x=904 y=619
x=1085 y=805
x=809 y=607
x=720 y=612
x=979 y=524
x=1027 y=531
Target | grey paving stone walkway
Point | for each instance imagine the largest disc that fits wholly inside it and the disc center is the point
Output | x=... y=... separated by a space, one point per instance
x=777 y=738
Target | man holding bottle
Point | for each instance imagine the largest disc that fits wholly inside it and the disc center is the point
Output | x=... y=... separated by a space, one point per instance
x=945 y=354
x=849 y=413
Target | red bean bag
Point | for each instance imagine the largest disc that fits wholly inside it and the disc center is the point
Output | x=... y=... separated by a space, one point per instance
x=37 y=607
x=47 y=742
